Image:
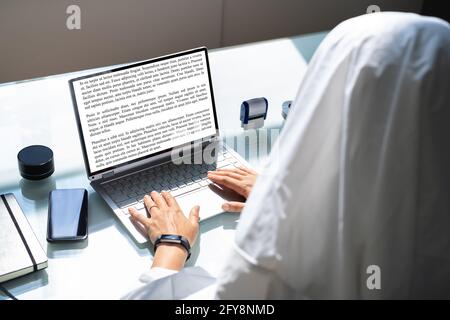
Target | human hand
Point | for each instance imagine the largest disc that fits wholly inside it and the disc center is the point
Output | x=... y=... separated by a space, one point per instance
x=166 y=217
x=240 y=180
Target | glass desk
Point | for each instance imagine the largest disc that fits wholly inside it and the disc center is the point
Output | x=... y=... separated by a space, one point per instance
x=108 y=264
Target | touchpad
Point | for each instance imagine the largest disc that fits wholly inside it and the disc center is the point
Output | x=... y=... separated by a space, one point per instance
x=209 y=199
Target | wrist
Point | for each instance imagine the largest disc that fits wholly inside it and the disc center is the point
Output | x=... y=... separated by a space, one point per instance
x=170 y=256
x=174 y=238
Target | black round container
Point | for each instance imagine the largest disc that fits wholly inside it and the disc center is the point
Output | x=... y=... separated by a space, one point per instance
x=36 y=162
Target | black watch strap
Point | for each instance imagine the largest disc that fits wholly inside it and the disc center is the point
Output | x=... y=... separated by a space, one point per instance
x=173 y=238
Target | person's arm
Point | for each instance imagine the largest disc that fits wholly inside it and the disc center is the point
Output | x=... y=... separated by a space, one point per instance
x=240 y=180
x=166 y=217
x=169 y=256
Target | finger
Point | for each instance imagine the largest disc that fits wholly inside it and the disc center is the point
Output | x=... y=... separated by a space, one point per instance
x=149 y=204
x=228 y=182
x=170 y=200
x=248 y=170
x=138 y=217
x=234 y=170
x=226 y=173
x=194 y=215
x=233 y=206
x=160 y=202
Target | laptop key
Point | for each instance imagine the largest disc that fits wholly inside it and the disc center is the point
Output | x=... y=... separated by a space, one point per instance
x=132 y=195
x=164 y=186
x=157 y=185
x=118 y=197
x=205 y=182
x=188 y=174
x=139 y=206
x=223 y=163
x=140 y=198
x=186 y=189
x=126 y=203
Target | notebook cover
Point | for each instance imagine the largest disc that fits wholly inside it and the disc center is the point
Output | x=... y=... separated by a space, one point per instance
x=20 y=250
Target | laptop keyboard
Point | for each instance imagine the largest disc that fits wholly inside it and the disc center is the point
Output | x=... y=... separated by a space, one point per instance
x=130 y=190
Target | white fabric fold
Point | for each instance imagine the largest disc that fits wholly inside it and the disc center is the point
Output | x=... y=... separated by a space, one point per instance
x=359 y=177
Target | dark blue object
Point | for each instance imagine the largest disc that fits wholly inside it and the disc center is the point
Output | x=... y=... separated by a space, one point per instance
x=67 y=215
x=250 y=109
x=36 y=162
x=173 y=238
x=285 y=108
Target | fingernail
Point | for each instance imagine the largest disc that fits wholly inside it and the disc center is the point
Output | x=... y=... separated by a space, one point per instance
x=226 y=206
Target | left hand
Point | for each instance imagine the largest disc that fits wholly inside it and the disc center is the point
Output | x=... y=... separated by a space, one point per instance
x=240 y=180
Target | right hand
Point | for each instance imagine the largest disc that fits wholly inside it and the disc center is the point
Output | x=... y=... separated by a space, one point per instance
x=240 y=180
x=166 y=217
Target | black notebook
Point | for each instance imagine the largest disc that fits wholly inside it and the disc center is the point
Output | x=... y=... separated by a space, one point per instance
x=20 y=250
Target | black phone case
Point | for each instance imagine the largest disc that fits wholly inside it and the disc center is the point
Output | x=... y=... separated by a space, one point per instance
x=83 y=208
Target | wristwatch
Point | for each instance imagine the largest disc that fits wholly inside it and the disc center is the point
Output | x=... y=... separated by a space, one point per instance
x=173 y=238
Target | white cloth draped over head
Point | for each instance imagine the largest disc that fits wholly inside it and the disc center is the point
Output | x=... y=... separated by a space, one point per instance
x=360 y=175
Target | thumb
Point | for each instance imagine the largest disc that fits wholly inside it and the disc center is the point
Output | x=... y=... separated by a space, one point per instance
x=194 y=216
x=233 y=206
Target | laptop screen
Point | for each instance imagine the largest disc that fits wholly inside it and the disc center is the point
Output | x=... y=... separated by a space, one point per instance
x=130 y=113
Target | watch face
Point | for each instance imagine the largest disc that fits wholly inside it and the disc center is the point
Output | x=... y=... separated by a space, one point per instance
x=171 y=237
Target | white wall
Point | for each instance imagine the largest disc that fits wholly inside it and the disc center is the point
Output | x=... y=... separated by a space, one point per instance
x=34 y=40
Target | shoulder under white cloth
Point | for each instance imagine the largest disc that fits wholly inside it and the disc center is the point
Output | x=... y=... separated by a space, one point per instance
x=361 y=175
x=363 y=170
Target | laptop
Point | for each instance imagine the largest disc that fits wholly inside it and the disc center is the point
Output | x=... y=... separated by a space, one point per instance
x=152 y=125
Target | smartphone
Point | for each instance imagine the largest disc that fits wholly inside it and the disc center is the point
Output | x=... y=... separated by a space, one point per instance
x=67 y=215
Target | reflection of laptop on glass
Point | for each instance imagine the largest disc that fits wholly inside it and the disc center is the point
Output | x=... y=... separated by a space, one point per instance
x=132 y=120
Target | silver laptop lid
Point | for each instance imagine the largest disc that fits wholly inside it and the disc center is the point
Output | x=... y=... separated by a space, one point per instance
x=140 y=113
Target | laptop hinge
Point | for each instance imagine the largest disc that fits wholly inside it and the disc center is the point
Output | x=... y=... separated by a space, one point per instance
x=108 y=174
